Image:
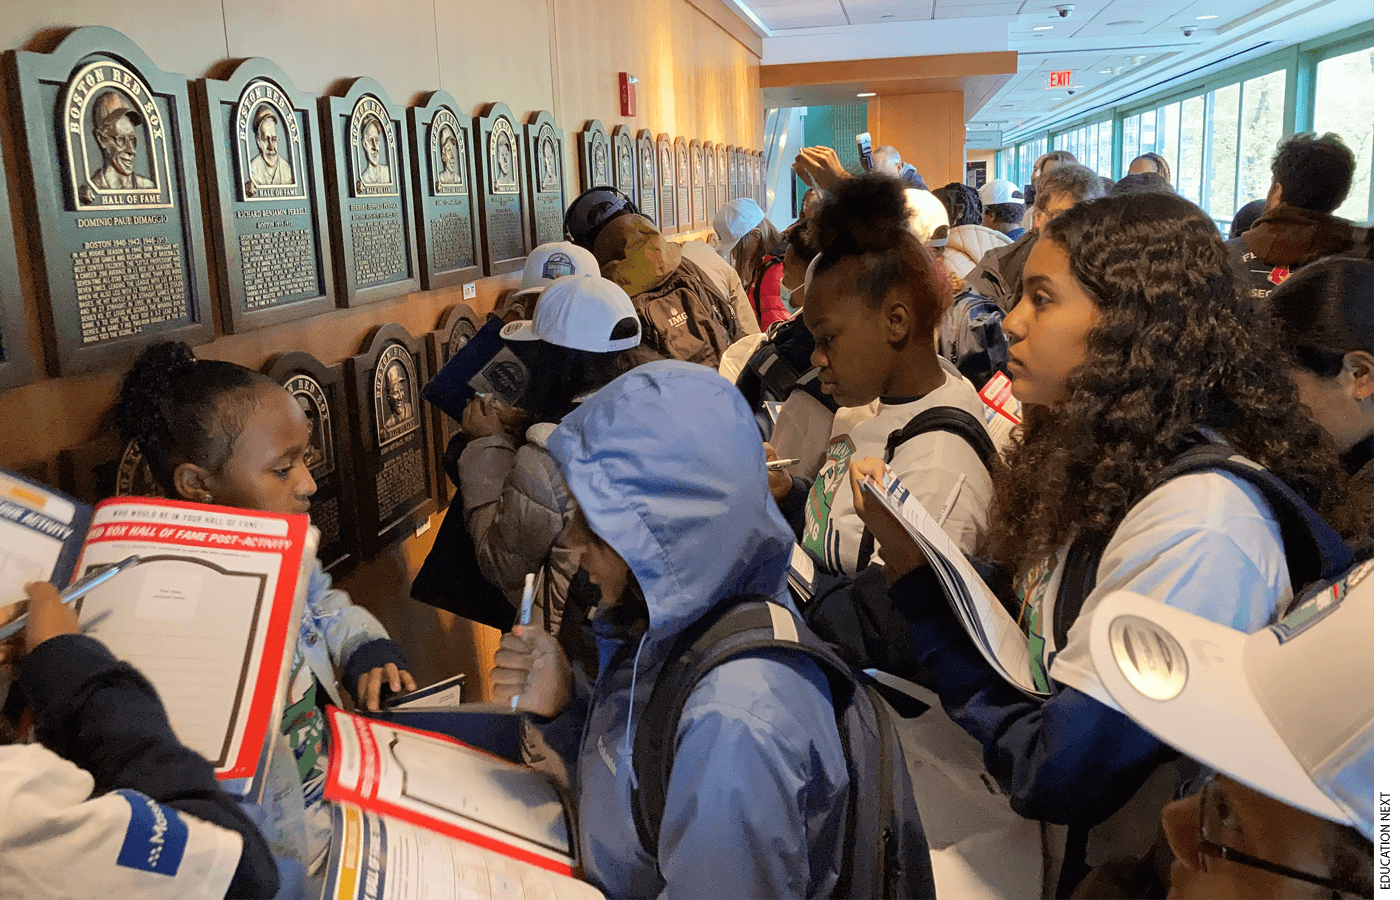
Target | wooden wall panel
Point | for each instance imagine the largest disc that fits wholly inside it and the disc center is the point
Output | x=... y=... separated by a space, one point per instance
x=927 y=129
x=561 y=55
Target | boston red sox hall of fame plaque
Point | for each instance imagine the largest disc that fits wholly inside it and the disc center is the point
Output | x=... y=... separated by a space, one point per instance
x=111 y=191
x=544 y=178
x=444 y=176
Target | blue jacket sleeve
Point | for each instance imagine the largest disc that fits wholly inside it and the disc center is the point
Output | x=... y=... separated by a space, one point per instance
x=103 y=716
x=1069 y=760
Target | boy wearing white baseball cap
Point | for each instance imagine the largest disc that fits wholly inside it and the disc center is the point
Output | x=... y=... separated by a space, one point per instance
x=543 y=266
x=1003 y=207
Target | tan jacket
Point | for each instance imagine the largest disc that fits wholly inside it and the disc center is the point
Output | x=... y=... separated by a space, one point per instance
x=722 y=275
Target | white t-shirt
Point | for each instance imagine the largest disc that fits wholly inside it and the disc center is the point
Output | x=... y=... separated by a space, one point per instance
x=940 y=468
x=61 y=842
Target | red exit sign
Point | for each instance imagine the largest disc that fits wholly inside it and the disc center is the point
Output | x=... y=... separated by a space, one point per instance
x=1061 y=79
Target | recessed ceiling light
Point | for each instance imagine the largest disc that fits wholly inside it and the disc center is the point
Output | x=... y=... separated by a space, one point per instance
x=869 y=94
x=1203 y=18
x=1125 y=22
x=1105 y=71
x=1043 y=28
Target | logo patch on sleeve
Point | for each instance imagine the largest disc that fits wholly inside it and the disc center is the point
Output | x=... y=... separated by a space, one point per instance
x=155 y=837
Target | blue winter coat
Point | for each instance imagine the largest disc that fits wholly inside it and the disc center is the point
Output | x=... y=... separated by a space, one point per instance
x=668 y=468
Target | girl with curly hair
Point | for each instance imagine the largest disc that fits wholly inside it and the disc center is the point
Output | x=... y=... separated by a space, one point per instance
x=874 y=301
x=1129 y=344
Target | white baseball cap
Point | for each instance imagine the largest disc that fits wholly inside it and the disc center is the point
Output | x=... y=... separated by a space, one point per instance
x=1288 y=710
x=733 y=220
x=580 y=312
x=1001 y=191
x=555 y=260
x=926 y=215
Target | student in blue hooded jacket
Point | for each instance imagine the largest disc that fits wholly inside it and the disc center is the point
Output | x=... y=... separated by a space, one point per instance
x=668 y=470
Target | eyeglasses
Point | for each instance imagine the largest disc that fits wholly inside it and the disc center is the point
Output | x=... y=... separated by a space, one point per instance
x=1208 y=848
x=123 y=141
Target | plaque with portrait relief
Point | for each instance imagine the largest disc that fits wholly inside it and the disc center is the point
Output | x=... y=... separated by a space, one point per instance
x=756 y=176
x=647 y=183
x=712 y=196
x=17 y=363
x=698 y=203
x=106 y=467
x=683 y=209
x=111 y=191
x=444 y=177
x=741 y=159
x=457 y=325
x=544 y=174
x=501 y=190
x=624 y=158
x=395 y=452
x=262 y=151
x=731 y=161
x=594 y=156
x=320 y=392
x=372 y=203
x=666 y=166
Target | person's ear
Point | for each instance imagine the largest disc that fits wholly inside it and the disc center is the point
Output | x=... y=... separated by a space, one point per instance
x=898 y=318
x=1359 y=374
x=193 y=483
x=1274 y=197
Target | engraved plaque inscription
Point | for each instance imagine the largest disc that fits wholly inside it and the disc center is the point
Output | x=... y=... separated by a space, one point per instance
x=624 y=155
x=712 y=195
x=741 y=160
x=594 y=156
x=697 y=185
x=501 y=190
x=731 y=162
x=667 y=195
x=320 y=391
x=647 y=183
x=395 y=457
x=683 y=220
x=457 y=325
x=443 y=180
x=111 y=193
x=545 y=178
x=17 y=364
x=372 y=207
x=262 y=146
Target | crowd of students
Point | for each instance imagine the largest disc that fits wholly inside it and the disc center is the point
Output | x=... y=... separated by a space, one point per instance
x=1194 y=464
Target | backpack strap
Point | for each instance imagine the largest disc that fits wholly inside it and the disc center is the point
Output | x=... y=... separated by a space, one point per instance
x=743 y=626
x=1312 y=548
x=940 y=418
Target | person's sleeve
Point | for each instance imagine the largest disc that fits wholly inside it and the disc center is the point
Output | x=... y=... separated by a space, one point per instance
x=743 y=309
x=103 y=716
x=513 y=535
x=356 y=640
x=743 y=788
x=1068 y=760
x=770 y=297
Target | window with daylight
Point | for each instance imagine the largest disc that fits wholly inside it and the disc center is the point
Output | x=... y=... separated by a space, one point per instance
x=1344 y=102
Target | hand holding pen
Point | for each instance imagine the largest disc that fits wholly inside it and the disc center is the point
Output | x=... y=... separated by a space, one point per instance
x=73 y=592
x=531 y=673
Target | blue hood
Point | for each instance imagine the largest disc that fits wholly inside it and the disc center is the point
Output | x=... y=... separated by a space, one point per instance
x=668 y=467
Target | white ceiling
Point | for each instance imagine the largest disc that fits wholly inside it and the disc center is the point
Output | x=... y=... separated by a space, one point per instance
x=1115 y=48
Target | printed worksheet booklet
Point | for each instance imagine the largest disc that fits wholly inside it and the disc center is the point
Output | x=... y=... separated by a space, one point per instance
x=207 y=613
x=997 y=635
x=488 y=364
x=419 y=814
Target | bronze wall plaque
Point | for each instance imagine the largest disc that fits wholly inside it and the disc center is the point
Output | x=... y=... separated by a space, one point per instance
x=395 y=454
x=594 y=156
x=665 y=155
x=756 y=179
x=501 y=188
x=17 y=363
x=624 y=155
x=683 y=212
x=320 y=390
x=457 y=325
x=647 y=183
x=712 y=195
x=372 y=203
x=106 y=467
x=741 y=159
x=262 y=153
x=544 y=173
x=731 y=161
x=698 y=203
x=111 y=189
x=443 y=179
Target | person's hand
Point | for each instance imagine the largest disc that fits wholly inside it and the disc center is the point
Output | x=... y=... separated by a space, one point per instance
x=370 y=684
x=898 y=551
x=531 y=665
x=486 y=416
x=779 y=481
x=819 y=167
x=48 y=615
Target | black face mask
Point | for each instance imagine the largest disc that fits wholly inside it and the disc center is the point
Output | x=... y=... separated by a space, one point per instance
x=583 y=594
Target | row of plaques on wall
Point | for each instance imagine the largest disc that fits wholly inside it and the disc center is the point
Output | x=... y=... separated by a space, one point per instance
x=376 y=448
x=312 y=202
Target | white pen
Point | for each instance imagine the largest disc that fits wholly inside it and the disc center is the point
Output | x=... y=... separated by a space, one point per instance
x=527 y=602
x=782 y=463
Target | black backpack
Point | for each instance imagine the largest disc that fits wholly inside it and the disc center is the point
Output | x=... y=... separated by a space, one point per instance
x=885 y=852
x=971 y=337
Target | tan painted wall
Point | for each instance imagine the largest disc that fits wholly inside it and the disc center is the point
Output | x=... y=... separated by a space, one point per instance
x=561 y=55
x=926 y=128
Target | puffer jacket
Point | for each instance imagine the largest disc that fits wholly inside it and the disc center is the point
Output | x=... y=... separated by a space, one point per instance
x=967 y=244
x=666 y=464
x=516 y=503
